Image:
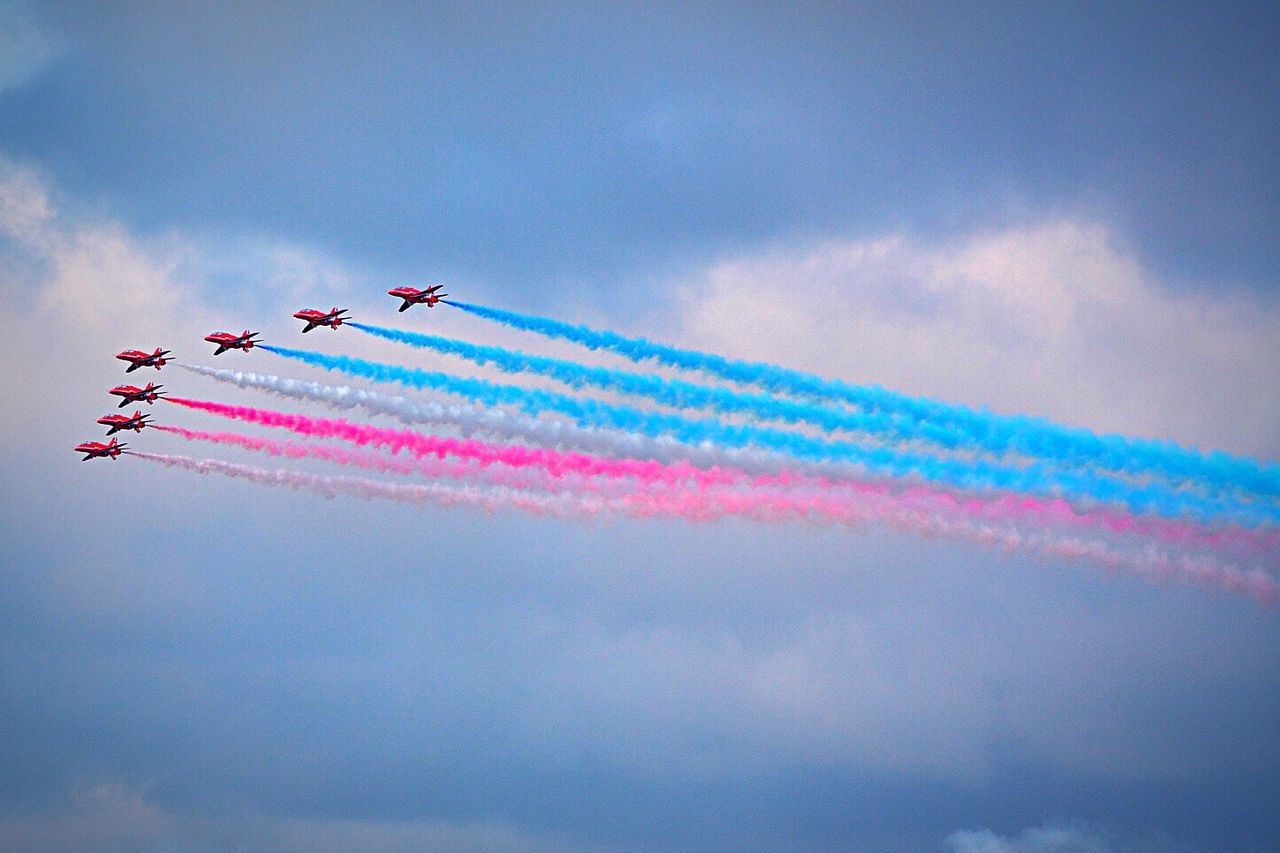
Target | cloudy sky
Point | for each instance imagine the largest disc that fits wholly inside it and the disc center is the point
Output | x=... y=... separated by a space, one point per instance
x=1069 y=211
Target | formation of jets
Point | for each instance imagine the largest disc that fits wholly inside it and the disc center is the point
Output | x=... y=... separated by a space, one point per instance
x=132 y=394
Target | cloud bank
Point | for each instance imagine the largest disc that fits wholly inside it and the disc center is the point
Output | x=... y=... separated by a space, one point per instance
x=1054 y=319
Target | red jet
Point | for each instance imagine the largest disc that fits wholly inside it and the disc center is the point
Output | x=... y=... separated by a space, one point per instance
x=318 y=318
x=413 y=296
x=226 y=341
x=133 y=394
x=135 y=422
x=137 y=358
x=98 y=450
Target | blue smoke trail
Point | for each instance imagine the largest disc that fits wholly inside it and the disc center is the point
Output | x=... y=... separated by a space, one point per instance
x=1153 y=497
x=670 y=392
x=991 y=432
x=687 y=395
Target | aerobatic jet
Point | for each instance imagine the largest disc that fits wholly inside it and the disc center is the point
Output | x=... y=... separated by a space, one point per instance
x=135 y=422
x=413 y=296
x=226 y=341
x=133 y=394
x=318 y=318
x=98 y=450
x=137 y=358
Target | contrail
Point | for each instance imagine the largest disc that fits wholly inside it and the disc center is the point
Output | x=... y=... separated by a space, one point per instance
x=559 y=464
x=1146 y=497
x=1027 y=435
x=706 y=506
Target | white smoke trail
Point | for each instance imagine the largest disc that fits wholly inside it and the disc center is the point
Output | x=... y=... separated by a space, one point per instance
x=488 y=498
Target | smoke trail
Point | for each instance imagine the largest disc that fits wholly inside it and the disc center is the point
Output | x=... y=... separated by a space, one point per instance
x=427 y=466
x=1150 y=497
x=558 y=464
x=674 y=392
x=704 y=506
x=554 y=462
x=490 y=499
x=504 y=424
x=1027 y=435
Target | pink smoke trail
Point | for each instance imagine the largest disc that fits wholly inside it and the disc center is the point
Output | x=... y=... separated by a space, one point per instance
x=560 y=463
x=428 y=466
x=557 y=462
x=765 y=506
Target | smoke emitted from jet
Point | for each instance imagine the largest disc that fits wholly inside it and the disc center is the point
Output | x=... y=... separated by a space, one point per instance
x=491 y=499
x=554 y=462
x=674 y=392
x=1074 y=485
x=501 y=423
x=427 y=466
x=965 y=427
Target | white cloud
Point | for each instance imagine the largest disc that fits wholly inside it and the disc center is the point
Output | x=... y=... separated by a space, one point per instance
x=1052 y=319
x=1042 y=839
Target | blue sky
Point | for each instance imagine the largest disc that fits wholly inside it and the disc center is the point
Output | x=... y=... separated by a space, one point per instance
x=1068 y=211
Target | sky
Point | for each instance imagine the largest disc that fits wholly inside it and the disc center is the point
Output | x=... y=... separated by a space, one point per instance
x=1065 y=211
